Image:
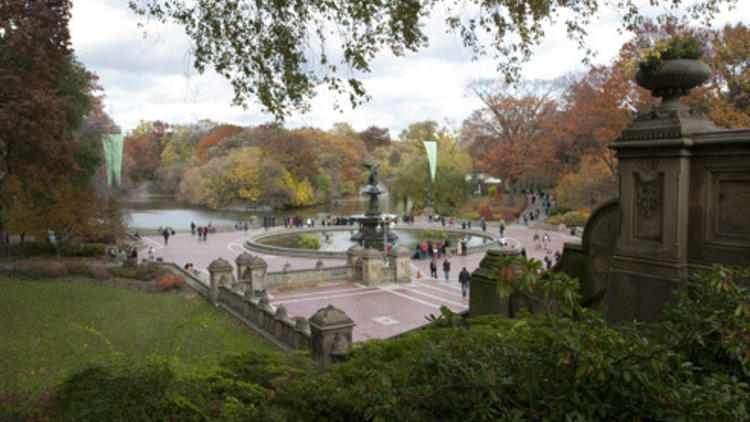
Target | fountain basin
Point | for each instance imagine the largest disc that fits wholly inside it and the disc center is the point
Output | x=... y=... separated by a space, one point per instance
x=280 y=242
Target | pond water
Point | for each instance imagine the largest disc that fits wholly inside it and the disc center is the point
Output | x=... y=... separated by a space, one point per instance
x=168 y=212
x=337 y=241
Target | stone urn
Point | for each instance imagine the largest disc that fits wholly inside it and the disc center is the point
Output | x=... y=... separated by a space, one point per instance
x=674 y=78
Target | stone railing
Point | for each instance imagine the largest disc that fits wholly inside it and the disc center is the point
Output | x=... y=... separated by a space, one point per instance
x=307 y=277
x=326 y=335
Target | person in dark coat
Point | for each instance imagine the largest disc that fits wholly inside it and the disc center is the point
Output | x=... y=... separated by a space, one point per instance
x=433 y=268
x=165 y=234
x=447 y=268
x=463 y=278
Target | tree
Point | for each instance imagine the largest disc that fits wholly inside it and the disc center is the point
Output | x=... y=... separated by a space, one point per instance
x=142 y=150
x=453 y=164
x=279 y=52
x=213 y=138
x=595 y=108
x=508 y=138
x=35 y=143
x=374 y=137
x=591 y=184
x=730 y=106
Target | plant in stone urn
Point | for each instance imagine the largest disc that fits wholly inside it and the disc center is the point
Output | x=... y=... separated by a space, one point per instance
x=671 y=69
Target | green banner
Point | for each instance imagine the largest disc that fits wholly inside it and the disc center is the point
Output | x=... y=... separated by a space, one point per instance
x=431 y=148
x=112 y=144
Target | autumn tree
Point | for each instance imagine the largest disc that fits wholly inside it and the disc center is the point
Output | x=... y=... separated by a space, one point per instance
x=36 y=107
x=214 y=137
x=508 y=138
x=278 y=52
x=594 y=109
x=374 y=137
x=588 y=187
x=177 y=153
x=729 y=106
x=142 y=150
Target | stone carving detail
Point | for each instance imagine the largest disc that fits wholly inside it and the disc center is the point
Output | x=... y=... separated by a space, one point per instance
x=648 y=164
x=648 y=197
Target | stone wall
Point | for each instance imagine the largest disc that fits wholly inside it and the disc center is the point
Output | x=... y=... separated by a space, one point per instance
x=245 y=298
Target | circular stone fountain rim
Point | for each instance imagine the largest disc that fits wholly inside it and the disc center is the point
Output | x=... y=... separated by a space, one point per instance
x=253 y=244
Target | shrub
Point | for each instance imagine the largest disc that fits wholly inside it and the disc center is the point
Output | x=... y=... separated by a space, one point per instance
x=146 y=272
x=169 y=282
x=309 y=241
x=33 y=248
x=559 y=210
x=485 y=210
x=439 y=234
x=99 y=273
x=572 y=218
x=49 y=269
x=82 y=250
x=126 y=393
x=17 y=404
x=555 y=361
x=445 y=210
x=54 y=269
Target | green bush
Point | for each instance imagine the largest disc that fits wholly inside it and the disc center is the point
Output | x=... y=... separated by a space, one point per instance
x=445 y=210
x=83 y=250
x=559 y=210
x=556 y=361
x=433 y=235
x=309 y=241
x=571 y=218
x=36 y=248
x=118 y=392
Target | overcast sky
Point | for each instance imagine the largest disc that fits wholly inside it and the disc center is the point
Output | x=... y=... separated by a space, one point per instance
x=151 y=77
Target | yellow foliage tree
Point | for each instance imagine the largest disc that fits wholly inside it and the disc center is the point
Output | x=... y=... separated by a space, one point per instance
x=301 y=190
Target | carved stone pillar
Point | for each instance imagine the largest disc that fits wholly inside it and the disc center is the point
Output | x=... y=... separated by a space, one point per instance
x=331 y=334
x=220 y=273
x=651 y=253
x=251 y=271
x=400 y=257
x=372 y=267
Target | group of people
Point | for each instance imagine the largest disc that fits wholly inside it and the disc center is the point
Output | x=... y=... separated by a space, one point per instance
x=202 y=230
x=463 y=277
x=427 y=248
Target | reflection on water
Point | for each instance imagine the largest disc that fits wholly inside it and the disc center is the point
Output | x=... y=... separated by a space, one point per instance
x=338 y=241
x=168 y=212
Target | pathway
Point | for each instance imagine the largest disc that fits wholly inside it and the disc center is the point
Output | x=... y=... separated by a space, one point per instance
x=379 y=312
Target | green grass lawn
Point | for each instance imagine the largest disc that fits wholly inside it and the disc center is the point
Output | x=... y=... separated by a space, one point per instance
x=50 y=329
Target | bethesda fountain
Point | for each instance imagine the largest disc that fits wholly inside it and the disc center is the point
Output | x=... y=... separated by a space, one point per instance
x=373 y=224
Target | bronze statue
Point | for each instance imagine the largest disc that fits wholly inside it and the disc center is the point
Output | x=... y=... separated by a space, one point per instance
x=373 y=173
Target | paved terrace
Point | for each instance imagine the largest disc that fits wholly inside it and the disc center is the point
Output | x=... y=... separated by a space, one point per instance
x=379 y=312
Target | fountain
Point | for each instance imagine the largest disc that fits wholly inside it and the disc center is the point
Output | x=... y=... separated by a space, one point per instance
x=370 y=221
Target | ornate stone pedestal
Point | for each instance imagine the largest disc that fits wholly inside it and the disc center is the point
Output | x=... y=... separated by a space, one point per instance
x=673 y=203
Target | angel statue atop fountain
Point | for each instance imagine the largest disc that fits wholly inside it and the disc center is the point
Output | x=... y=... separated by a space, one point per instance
x=373 y=173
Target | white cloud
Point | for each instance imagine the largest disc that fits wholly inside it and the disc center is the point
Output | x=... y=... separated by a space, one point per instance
x=152 y=78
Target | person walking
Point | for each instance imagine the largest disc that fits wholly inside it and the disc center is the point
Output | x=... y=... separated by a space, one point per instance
x=433 y=268
x=192 y=228
x=165 y=234
x=502 y=228
x=447 y=268
x=463 y=278
x=424 y=249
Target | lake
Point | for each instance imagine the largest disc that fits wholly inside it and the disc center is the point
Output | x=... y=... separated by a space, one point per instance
x=153 y=213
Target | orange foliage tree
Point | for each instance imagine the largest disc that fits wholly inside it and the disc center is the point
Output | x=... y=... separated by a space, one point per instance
x=142 y=150
x=508 y=137
x=213 y=138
